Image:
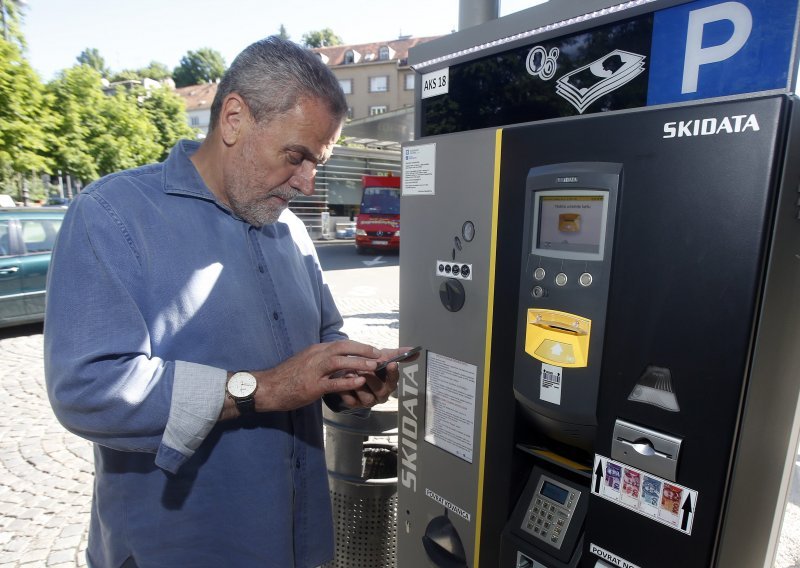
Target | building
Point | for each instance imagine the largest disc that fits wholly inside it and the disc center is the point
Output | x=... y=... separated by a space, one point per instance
x=375 y=77
x=198 y=99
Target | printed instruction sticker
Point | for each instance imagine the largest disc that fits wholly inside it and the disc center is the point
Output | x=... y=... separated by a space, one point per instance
x=436 y=83
x=550 y=383
x=450 y=405
x=419 y=170
x=663 y=501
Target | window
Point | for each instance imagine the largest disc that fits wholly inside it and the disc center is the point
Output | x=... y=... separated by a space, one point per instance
x=39 y=235
x=347 y=86
x=383 y=53
x=350 y=112
x=195 y=121
x=351 y=56
x=379 y=84
x=409 y=81
x=5 y=241
x=377 y=109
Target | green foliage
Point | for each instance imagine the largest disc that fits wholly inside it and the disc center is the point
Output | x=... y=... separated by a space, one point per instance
x=167 y=112
x=321 y=38
x=202 y=66
x=11 y=21
x=96 y=133
x=25 y=115
x=156 y=71
x=282 y=32
x=92 y=58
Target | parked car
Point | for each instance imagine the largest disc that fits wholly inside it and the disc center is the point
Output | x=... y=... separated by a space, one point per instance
x=27 y=235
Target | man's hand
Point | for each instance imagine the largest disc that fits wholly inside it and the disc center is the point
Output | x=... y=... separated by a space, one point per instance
x=375 y=390
x=339 y=366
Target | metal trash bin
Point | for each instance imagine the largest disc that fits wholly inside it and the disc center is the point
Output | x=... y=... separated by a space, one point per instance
x=362 y=475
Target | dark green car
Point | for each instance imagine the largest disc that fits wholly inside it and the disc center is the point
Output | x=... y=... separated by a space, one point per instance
x=27 y=235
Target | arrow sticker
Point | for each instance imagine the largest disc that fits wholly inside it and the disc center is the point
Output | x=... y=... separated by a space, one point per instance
x=658 y=499
x=687 y=512
x=598 y=476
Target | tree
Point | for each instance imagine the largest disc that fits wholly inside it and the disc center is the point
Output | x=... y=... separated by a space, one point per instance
x=202 y=66
x=24 y=117
x=11 y=20
x=97 y=134
x=91 y=57
x=167 y=112
x=156 y=71
x=321 y=38
x=282 y=32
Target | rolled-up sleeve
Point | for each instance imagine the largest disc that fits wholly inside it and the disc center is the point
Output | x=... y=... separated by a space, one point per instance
x=103 y=381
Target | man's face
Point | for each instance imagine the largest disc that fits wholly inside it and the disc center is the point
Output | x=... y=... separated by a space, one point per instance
x=276 y=160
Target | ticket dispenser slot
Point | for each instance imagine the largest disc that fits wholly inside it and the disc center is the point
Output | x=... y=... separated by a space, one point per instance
x=650 y=451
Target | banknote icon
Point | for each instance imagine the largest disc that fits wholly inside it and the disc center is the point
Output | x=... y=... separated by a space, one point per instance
x=585 y=85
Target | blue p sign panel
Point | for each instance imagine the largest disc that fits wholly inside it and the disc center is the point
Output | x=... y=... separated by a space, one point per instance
x=711 y=49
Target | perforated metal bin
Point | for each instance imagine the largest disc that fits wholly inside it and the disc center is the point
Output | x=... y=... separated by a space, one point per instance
x=362 y=474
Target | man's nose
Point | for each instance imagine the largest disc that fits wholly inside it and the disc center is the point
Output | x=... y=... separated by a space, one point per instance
x=303 y=178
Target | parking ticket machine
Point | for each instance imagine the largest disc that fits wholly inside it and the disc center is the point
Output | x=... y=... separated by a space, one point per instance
x=601 y=224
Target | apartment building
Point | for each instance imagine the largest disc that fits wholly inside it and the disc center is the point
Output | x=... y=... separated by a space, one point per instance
x=375 y=77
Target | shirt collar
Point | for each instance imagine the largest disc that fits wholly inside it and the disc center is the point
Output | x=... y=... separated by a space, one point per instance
x=180 y=175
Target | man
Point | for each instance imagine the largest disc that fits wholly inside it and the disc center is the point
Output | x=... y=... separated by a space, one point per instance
x=166 y=281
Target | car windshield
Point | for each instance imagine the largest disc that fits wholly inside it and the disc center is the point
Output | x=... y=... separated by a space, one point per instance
x=381 y=200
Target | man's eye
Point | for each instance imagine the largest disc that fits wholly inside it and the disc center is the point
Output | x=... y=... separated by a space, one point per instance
x=295 y=159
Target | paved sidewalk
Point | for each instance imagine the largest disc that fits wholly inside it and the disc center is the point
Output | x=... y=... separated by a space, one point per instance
x=46 y=473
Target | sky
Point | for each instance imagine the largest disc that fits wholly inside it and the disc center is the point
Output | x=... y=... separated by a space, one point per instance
x=129 y=34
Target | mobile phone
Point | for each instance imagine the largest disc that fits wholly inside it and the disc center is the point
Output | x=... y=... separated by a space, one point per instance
x=380 y=371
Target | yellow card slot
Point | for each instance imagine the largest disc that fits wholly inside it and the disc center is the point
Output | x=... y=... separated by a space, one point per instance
x=558 y=338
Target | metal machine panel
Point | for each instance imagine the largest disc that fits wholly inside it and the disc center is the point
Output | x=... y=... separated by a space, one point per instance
x=442 y=395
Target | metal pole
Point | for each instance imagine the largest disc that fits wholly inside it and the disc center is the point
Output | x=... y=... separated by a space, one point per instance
x=474 y=12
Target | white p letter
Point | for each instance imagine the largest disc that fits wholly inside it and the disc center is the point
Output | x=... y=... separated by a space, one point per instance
x=742 y=20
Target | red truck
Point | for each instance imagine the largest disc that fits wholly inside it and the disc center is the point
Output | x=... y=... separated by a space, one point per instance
x=378 y=221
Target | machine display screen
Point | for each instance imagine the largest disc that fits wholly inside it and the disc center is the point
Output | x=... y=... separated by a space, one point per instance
x=554 y=492
x=570 y=224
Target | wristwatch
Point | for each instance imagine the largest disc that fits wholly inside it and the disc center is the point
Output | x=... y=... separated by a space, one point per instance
x=241 y=387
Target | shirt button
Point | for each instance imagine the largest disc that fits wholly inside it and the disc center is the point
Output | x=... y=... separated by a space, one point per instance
x=297 y=464
x=275 y=316
x=261 y=268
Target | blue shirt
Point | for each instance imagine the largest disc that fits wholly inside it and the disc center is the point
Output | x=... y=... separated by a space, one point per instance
x=155 y=291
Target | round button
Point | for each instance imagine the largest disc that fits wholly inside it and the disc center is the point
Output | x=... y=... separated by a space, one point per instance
x=456 y=270
x=468 y=231
x=537 y=292
x=539 y=273
x=585 y=279
x=561 y=279
x=465 y=271
x=447 y=268
x=441 y=268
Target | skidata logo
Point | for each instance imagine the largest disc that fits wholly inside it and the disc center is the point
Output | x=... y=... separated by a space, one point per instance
x=712 y=126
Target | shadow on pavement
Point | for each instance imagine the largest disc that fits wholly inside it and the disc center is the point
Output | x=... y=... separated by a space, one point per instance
x=22 y=330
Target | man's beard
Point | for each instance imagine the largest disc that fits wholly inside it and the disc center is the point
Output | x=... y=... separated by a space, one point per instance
x=262 y=210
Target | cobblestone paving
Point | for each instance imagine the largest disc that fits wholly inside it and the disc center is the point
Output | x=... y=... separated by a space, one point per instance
x=46 y=473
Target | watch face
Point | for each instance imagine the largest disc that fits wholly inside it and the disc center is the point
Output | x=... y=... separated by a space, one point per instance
x=242 y=385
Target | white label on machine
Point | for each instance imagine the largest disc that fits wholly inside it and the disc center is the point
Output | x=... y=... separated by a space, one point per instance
x=550 y=383
x=653 y=497
x=436 y=83
x=450 y=405
x=419 y=170
x=609 y=557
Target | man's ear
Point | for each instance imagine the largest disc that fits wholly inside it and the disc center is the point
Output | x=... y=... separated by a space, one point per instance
x=233 y=118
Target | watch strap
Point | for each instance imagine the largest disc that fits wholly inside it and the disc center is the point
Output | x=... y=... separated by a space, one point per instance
x=245 y=405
